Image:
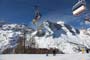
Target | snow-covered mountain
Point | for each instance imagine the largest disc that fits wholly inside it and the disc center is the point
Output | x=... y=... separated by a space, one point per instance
x=48 y=35
x=61 y=36
x=9 y=35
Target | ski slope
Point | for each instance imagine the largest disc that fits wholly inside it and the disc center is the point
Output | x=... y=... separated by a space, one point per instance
x=44 y=57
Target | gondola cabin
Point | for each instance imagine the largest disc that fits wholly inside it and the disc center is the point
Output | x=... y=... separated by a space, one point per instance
x=79 y=7
x=87 y=20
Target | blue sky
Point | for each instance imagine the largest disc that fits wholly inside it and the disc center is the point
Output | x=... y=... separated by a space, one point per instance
x=22 y=11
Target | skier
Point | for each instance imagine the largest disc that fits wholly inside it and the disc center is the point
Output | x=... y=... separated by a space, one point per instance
x=48 y=50
x=47 y=53
x=54 y=52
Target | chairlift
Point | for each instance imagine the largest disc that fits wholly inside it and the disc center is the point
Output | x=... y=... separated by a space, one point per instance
x=79 y=7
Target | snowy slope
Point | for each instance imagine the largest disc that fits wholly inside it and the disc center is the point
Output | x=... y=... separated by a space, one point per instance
x=44 y=57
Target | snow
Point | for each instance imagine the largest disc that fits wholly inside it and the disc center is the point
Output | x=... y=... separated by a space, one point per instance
x=60 y=22
x=67 y=42
x=44 y=57
x=8 y=37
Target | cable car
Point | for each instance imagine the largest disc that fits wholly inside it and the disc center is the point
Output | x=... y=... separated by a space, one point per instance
x=79 y=7
x=87 y=20
x=37 y=15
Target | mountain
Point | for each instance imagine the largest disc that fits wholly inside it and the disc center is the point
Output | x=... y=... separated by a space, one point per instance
x=10 y=34
x=48 y=35
x=61 y=36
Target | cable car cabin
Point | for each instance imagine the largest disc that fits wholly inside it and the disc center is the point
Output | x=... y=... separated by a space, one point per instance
x=79 y=7
x=87 y=20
